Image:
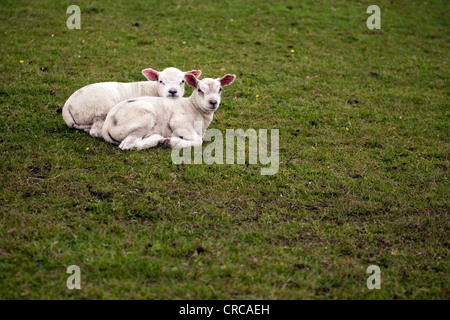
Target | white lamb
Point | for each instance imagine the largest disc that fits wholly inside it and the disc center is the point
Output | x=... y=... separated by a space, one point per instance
x=86 y=109
x=147 y=122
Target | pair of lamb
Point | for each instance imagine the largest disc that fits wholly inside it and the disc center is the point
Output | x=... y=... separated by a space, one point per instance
x=146 y=114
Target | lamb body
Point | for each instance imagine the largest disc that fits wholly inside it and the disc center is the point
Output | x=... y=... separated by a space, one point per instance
x=147 y=122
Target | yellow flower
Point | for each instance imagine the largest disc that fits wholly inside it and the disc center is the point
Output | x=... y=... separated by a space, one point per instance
x=65 y=88
x=82 y=41
x=87 y=149
x=21 y=61
x=222 y=69
x=257 y=96
x=292 y=50
x=346 y=129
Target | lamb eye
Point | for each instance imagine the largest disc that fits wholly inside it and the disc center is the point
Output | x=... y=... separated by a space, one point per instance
x=160 y=81
x=199 y=90
x=182 y=81
x=220 y=90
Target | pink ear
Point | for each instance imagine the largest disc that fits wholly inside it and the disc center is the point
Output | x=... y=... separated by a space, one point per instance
x=191 y=79
x=151 y=74
x=196 y=73
x=227 y=79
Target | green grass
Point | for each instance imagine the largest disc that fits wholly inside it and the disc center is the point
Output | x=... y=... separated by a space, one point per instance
x=358 y=184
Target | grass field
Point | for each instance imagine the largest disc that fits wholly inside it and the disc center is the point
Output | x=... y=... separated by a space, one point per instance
x=360 y=182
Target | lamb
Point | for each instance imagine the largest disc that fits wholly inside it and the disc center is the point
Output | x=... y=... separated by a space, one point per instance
x=147 y=122
x=86 y=108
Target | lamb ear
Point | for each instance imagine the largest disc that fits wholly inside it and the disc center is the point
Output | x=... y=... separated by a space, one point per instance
x=196 y=73
x=227 y=79
x=150 y=74
x=191 y=79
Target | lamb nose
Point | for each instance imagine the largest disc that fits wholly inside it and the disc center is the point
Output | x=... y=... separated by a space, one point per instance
x=213 y=102
x=172 y=91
